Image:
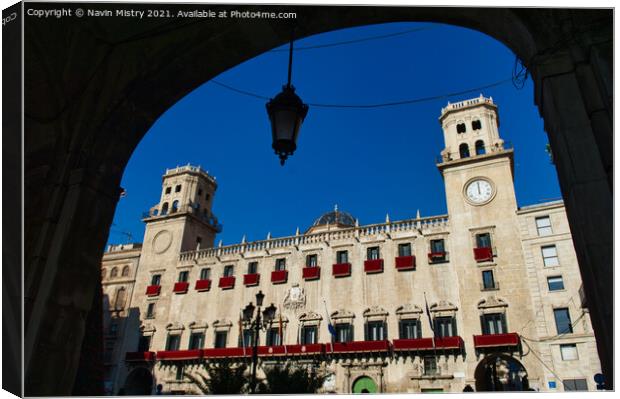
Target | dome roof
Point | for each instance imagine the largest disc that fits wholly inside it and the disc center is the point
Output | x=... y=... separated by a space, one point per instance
x=335 y=217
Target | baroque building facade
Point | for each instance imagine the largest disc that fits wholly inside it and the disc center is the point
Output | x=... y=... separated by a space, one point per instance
x=488 y=296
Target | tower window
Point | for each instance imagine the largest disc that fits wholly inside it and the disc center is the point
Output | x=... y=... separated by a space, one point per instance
x=168 y=190
x=461 y=128
x=464 y=150
x=114 y=272
x=125 y=272
x=164 y=209
x=175 y=206
x=177 y=189
x=480 y=147
x=476 y=125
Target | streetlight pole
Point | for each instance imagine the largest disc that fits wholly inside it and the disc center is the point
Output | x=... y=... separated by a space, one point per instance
x=255 y=349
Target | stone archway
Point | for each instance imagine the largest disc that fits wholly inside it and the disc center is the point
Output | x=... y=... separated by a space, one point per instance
x=138 y=382
x=500 y=372
x=87 y=110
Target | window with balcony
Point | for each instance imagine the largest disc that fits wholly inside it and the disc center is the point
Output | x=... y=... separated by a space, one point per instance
x=438 y=251
x=220 y=339
x=205 y=273
x=308 y=335
x=252 y=267
x=372 y=253
x=280 y=264
x=155 y=279
x=183 y=276
x=555 y=283
x=569 y=352
x=445 y=326
x=312 y=260
x=344 y=332
x=273 y=336
x=404 y=249
x=550 y=256
x=342 y=257
x=488 y=280
x=543 y=226
x=144 y=343
x=483 y=240
x=562 y=321
x=173 y=342
x=493 y=323
x=375 y=331
x=410 y=329
x=150 y=311
x=196 y=340
x=229 y=271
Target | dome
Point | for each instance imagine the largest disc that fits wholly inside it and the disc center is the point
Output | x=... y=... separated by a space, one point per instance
x=335 y=217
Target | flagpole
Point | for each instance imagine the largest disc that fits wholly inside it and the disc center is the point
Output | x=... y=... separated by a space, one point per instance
x=331 y=336
x=241 y=332
x=428 y=313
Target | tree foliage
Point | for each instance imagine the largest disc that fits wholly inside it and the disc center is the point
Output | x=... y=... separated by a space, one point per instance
x=221 y=379
x=291 y=379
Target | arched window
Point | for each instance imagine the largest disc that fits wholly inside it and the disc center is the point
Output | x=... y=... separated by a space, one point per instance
x=119 y=303
x=114 y=272
x=164 y=209
x=476 y=125
x=464 y=150
x=460 y=128
x=480 y=147
x=175 y=206
x=103 y=271
x=125 y=272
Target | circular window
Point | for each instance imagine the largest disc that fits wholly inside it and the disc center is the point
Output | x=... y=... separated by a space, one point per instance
x=364 y=385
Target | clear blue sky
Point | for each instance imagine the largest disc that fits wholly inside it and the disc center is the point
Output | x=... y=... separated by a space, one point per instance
x=369 y=162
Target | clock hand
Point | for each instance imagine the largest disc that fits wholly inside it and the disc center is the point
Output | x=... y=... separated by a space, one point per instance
x=478 y=185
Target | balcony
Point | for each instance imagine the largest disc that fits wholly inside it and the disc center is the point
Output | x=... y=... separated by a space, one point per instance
x=153 y=290
x=212 y=353
x=483 y=254
x=227 y=282
x=424 y=344
x=203 y=285
x=311 y=273
x=438 y=257
x=341 y=269
x=275 y=350
x=373 y=266
x=360 y=346
x=140 y=356
x=405 y=262
x=496 y=340
x=189 y=354
x=181 y=287
x=305 y=349
x=492 y=287
x=251 y=279
x=279 y=276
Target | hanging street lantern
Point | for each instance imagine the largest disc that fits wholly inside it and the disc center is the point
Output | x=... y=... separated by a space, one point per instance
x=286 y=113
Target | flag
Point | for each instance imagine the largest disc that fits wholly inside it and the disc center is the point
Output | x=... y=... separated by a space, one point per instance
x=280 y=329
x=430 y=319
x=330 y=327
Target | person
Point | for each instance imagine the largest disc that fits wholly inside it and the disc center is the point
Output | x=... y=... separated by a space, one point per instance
x=160 y=388
x=468 y=388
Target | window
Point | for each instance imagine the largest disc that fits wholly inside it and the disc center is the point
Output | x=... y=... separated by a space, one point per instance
x=164 y=209
x=404 y=249
x=437 y=246
x=445 y=326
x=410 y=329
x=562 y=321
x=575 y=385
x=461 y=128
x=464 y=150
x=200 y=191
x=344 y=332
x=372 y=253
x=125 y=272
x=177 y=188
x=281 y=264
x=312 y=260
x=308 y=335
x=543 y=226
x=196 y=340
x=248 y=338
x=483 y=240
x=273 y=337
x=179 y=374
x=342 y=257
x=183 y=276
x=168 y=190
x=252 y=267
x=114 y=272
x=220 y=339
x=569 y=352
x=121 y=294
x=229 y=271
x=175 y=206
x=488 y=282
x=555 y=283
x=550 y=256
x=150 y=310
x=205 y=274
x=375 y=331
x=493 y=323
x=155 y=280
x=173 y=342
x=430 y=365
x=480 y=147
x=476 y=125
x=144 y=343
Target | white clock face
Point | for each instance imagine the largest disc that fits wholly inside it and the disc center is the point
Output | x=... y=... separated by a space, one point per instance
x=479 y=191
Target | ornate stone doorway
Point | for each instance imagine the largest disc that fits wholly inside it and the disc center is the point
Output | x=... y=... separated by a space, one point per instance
x=139 y=382
x=499 y=372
